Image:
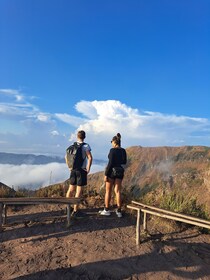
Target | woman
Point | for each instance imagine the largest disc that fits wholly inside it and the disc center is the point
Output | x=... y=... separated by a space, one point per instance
x=114 y=174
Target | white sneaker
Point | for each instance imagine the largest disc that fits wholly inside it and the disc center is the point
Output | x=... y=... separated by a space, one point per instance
x=119 y=214
x=105 y=212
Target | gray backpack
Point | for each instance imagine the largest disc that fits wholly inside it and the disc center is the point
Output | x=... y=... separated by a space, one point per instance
x=74 y=157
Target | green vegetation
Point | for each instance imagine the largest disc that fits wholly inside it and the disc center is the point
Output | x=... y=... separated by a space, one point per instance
x=21 y=192
x=5 y=192
x=183 y=203
x=57 y=190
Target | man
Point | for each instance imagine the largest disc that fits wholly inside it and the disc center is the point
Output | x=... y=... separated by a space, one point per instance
x=78 y=176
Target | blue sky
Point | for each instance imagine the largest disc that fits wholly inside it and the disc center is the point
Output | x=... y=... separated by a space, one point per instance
x=140 y=68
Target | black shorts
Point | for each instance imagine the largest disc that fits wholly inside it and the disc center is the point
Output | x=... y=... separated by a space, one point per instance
x=78 y=177
x=116 y=177
x=117 y=174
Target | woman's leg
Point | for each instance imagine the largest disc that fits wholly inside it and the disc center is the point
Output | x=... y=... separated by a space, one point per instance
x=108 y=193
x=117 y=189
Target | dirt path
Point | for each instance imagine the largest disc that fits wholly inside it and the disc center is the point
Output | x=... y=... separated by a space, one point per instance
x=98 y=248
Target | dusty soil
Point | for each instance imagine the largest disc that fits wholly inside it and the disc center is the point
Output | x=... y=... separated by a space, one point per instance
x=98 y=247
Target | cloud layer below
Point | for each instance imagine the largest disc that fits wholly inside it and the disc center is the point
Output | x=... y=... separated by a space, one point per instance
x=36 y=176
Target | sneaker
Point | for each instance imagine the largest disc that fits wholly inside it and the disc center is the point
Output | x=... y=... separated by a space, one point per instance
x=119 y=213
x=78 y=214
x=105 y=212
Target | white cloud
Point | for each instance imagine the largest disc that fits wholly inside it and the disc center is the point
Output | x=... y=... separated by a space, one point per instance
x=43 y=117
x=13 y=93
x=36 y=130
x=54 y=132
x=16 y=106
x=137 y=128
x=72 y=120
x=35 y=176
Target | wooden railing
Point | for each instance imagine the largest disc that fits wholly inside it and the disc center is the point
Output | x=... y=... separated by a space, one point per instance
x=4 y=202
x=147 y=209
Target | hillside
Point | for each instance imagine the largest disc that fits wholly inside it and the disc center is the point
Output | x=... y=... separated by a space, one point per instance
x=152 y=172
x=155 y=171
x=6 y=191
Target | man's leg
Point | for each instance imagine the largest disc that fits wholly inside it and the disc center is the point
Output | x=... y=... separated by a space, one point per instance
x=71 y=191
x=72 y=184
x=81 y=178
x=78 y=194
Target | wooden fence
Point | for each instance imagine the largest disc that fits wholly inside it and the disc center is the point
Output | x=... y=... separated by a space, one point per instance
x=147 y=209
x=4 y=202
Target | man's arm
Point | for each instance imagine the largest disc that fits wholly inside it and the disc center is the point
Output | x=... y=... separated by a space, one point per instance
x=89 y=160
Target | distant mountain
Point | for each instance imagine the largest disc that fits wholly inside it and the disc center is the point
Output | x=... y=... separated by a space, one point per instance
x=18 y=159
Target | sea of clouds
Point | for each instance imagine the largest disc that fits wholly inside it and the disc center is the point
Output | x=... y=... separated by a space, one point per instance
x=36 y=176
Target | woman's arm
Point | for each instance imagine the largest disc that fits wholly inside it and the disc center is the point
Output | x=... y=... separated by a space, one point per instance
x=110 y=163
x=124 y=157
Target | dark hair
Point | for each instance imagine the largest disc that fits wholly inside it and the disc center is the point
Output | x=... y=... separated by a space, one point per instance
x=81 y=134
x=117 y=139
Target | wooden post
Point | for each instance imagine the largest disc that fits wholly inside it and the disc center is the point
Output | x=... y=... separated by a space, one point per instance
x=138 y=227
x=4 y=214
x=145 y=222
x=68 y=215
x=1 y=215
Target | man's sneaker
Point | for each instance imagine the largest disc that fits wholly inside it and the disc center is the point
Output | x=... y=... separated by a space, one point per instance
x=78 y=214
x=105 y=212
x=119 y=213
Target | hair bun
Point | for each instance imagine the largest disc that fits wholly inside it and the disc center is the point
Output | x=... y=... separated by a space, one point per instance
x=118 y=135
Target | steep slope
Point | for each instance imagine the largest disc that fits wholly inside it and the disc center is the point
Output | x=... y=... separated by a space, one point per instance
x=6 y=191
x=162 y=169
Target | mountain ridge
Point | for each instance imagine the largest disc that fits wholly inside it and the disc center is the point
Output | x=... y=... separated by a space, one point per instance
x=18 y=159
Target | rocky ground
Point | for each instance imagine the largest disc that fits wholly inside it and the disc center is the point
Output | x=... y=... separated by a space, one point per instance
x=37 y=245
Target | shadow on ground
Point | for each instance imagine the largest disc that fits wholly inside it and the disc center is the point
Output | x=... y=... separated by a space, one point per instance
x=183 y=262
x=32 y=225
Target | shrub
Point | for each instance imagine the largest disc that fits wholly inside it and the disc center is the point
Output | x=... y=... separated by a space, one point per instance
x=4 y=192
x=183 y=203
x=23 y=192
x=57 y=190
